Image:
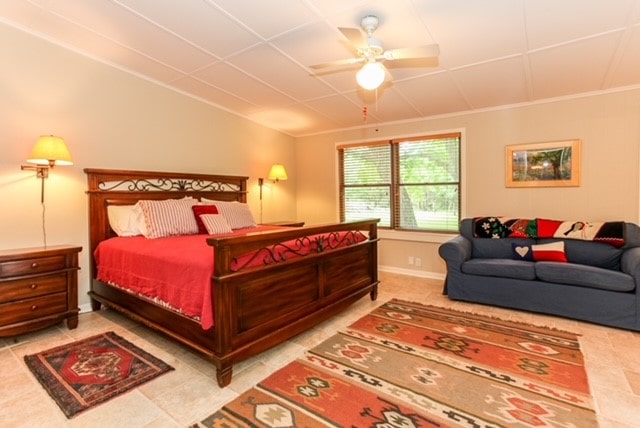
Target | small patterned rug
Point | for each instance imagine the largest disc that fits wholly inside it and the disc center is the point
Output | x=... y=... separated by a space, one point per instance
x=411 y=365
x=82 y=374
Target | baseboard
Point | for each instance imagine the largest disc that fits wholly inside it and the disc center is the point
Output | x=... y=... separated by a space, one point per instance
x=412 y=272
x=85 y=308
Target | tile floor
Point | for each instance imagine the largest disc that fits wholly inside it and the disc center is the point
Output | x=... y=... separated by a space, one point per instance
x=190 y=393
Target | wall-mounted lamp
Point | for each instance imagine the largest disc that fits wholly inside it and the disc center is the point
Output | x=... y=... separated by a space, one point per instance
x=276 y=173
x=48 y=152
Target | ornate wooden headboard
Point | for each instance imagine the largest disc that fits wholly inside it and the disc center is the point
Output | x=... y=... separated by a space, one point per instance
x=125 y=187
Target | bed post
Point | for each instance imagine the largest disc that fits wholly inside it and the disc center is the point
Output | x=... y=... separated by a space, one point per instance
x=373 y=236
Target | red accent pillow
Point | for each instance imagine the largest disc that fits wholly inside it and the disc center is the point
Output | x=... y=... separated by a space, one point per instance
x=199 y=210
x=551 y=252
x=547 y=228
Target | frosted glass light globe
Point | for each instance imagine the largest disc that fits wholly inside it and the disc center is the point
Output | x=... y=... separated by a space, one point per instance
x=370 y=76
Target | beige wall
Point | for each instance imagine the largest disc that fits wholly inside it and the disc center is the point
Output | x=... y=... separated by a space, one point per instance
x=608 y=125
x=111 y=119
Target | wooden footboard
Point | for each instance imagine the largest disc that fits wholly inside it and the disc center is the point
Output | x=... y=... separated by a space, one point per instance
x=255 y=307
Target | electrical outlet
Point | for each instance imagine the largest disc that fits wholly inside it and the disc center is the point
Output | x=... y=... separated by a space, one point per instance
x=410 y=261
x=418 y=262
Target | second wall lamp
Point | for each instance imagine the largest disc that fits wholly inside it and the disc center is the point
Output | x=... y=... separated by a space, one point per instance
x=276 y=173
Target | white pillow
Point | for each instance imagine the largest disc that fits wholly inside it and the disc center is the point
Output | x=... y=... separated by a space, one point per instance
x=215 y=224
x=168 y=217
x=238 y=214
x=125 y=220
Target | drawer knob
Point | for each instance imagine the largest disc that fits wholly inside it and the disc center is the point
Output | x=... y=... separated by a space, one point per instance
x=34 y=307
x=34 y=265
x=33 y=286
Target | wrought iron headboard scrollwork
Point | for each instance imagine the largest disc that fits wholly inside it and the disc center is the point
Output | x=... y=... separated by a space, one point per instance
x=168 y=185
x=302 y=246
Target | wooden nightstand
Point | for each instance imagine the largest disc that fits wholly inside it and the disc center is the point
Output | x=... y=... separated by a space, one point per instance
x=285 y=223
x=38 y=288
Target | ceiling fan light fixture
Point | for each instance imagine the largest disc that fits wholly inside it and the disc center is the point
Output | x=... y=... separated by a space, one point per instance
x=370 y=76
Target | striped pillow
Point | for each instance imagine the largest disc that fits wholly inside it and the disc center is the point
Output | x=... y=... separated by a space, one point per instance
x=238 y=214
x=215 y=224
x=168 y=217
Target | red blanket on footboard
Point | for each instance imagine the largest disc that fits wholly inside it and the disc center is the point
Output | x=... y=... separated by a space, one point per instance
x=176 y=271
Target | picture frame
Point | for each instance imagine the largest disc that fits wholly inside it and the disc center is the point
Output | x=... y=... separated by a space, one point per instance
x=549 y=164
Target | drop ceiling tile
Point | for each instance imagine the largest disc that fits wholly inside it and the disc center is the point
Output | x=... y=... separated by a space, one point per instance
x=386 y=105
x=292 y=119
x=330 y=8
x=626 y=72
x=290 y=14
x=213 y=95
x=197 y=21
x=470 y=32
x=267 y=64
x=495 y=83
x=313 y=44
x=552 y=22
x=116 y=23
x=230 y=79
x=338 y=108
x=570 y=69
x=433 y=94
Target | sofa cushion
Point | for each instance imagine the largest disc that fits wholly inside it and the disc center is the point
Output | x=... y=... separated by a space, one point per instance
x=585 y=276
x=590 y=253
x=500 y=267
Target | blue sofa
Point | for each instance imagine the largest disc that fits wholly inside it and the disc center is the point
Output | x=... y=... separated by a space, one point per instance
x=598 y=284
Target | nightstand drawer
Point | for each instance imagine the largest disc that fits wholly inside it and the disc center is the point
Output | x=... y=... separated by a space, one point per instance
x=25 y=310
x=27 y=288
x=31 y=266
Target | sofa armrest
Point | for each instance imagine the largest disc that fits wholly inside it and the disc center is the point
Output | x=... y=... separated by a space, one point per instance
x=630 y=263
x=455 y=252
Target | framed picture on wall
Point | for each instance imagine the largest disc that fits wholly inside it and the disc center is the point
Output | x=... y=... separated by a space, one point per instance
x=550 y=164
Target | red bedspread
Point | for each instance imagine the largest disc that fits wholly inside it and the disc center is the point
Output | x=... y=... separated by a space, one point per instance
x=174 y=271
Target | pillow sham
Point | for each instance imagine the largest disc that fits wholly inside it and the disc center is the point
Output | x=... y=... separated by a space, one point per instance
x=198 y=211
x=125 y=220
x=215 y=224
x=238 y=214
x=168 y=217
x=551 y=252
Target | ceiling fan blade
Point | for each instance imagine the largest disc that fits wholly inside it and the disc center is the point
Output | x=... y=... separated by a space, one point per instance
x=338 y=63
x=426 y=51
x=354 y=35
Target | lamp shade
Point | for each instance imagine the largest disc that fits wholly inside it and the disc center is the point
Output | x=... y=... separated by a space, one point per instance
x=371 y=75
x=277 y=172
x=50 y=150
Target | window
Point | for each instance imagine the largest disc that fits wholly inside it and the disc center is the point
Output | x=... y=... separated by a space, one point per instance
x=410 y=184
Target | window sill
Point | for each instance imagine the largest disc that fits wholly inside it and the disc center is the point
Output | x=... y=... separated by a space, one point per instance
x=432 y=237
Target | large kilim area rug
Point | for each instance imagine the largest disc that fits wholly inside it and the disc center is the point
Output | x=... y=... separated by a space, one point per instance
x=82 y=374
x=409 y=365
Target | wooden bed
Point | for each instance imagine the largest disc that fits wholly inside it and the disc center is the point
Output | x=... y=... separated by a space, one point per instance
x=255 y=308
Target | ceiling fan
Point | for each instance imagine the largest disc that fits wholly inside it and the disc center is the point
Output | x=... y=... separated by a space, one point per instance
x=369 y=51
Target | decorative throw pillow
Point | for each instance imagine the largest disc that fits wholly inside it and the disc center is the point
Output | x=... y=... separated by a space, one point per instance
x=238 y=214
x=198 y=211
x=125 y=220
x=522 y=252
x=215 y=224
x=551 y=252
x=168 y=217
x=547 y=228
